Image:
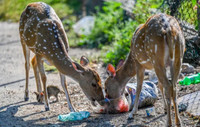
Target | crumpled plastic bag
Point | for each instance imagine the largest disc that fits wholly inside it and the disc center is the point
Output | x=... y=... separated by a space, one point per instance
x=74 y=116
x=148 y=95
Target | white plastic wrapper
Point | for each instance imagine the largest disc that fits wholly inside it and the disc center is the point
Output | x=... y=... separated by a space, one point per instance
x=148 y=95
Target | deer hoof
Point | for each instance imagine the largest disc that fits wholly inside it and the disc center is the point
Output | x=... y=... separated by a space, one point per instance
x=130 y=117
x=26 y=98
x=47 y=109
x=165 y=111
x=72 y=110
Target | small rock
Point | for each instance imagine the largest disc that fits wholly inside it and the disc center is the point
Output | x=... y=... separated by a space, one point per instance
x=187 y=68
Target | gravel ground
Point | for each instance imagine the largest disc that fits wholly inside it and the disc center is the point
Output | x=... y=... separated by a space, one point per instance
x=15 y=112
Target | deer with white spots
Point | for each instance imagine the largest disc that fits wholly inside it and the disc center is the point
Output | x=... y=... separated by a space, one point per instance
x=157 y=44
x=42 y=32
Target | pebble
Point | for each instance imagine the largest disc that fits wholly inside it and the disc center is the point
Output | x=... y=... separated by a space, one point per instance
x=187 y=68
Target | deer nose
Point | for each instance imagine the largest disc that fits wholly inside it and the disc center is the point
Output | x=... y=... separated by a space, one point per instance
x=104 y=102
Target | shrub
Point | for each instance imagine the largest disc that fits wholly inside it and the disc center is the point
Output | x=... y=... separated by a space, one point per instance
x=105 y=21
x=120 y=46
x=12 y=9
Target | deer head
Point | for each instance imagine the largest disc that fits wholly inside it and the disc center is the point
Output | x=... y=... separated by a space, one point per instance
x=114 y=89
x=89 y=81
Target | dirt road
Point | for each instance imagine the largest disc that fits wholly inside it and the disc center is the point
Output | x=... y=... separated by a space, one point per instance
x=15 y=112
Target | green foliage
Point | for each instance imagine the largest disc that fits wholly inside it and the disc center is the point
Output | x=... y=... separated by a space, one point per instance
x=121 y=36
x=144 y=9
x=188 y=13
x=50 y=68
x=12 y=9
x=194 y=2
x=105 y=21
x=112 y=32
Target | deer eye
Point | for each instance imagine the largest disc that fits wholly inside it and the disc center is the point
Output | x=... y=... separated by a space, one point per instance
x=94 y=85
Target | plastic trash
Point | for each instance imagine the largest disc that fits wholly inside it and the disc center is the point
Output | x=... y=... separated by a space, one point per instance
x=152 y=77
x=193 y=79
x=84 y=26
x=148 y=95
x=74 y=116
x=150 y=111
x=182 y=107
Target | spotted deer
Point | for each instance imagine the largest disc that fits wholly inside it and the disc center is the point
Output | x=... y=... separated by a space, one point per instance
x=157 y=44
x=42 y=32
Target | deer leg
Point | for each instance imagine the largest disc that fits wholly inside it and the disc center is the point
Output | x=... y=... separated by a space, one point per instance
x=168 y=100
x=64 y=85
x=175 y=76
x=140 y=77
x=43 y=77
x=163 y=97
x=26 y=52
x=174 y=100
x=36 y=73
x=161 y=74
x=56 y=97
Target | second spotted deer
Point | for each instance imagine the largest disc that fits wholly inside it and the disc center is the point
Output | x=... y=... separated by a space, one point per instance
x=158 y=44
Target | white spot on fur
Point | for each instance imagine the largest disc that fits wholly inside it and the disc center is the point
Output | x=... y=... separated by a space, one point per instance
x=143 y=62
x=49 y=29
x=155 y=48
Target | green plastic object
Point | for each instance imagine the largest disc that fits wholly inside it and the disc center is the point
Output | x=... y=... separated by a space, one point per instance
x=193 y=79
x=74 y=116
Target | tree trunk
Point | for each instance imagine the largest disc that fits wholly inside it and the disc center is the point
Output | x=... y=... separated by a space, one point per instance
x=84 y=11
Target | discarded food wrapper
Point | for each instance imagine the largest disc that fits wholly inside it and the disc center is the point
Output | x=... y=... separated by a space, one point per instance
x=73 y=116
x=148 y=95
x=150 y=111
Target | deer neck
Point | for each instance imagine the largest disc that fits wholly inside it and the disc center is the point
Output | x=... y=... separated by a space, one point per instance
x=127 y=71
x=65 y=66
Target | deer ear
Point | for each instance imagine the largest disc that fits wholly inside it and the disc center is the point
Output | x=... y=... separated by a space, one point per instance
x=111 y=70
x=84 y=61
x=121 y=62
x=77 y=67
x=74 y=66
